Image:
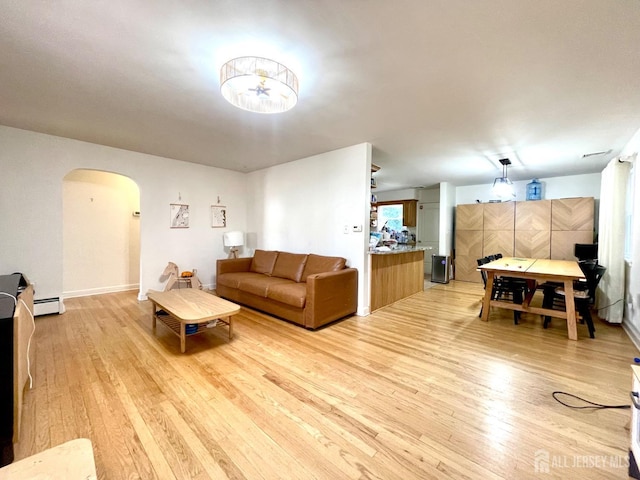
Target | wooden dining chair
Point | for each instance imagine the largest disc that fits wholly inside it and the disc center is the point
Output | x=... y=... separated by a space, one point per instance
x=503 y=287
x=584 y=294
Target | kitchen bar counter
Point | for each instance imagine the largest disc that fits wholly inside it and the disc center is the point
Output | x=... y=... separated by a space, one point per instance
x=399 y=249
x=396 y=274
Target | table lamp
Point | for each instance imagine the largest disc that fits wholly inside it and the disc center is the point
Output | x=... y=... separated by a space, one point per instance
x=233 y=240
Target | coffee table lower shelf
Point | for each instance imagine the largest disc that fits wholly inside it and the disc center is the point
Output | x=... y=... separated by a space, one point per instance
x=190 y=311
x=174 y=324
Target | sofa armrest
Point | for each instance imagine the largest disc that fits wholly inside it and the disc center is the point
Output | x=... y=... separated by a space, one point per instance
x=229 y=265
x=330 y=296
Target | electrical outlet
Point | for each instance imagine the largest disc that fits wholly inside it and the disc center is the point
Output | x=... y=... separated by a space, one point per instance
x=346 y=229
x=357 y=228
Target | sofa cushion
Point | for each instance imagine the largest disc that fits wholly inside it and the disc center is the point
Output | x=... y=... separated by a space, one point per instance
x=320 y=264
x=259 y=285
x=294 y=294
x=263 y=261
x=289 y=265
x=232 y=279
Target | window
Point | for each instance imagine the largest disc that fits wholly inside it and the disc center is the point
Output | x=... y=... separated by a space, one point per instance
x=390 y=216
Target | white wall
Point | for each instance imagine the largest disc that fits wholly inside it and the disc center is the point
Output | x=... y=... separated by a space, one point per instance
x=31 y=240
x=429 y=195
x=393 y=195
x=631 y=320
x=587 y=185
x=101 y=236
x=304 y=206
x=426 y=195
x=447 y=209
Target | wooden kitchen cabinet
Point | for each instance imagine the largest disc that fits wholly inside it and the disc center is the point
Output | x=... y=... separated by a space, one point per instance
x=499 y=216
x=530 y=229
x=409 y=213
x=498 y=222
x=470 y=217
x=469 y=236
x=572 y=222
x=533 y=229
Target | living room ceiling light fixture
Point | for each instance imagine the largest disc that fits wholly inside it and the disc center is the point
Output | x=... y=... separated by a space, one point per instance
x=502 y=186
x=259 y=85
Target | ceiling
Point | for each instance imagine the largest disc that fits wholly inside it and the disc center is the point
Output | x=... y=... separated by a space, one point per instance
x=441 y=88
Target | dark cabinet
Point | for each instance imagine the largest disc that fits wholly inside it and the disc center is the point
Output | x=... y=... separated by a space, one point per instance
x=16 y=325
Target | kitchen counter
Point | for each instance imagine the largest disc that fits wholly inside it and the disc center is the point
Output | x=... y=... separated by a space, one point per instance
x=396 y=274
x=400 y=249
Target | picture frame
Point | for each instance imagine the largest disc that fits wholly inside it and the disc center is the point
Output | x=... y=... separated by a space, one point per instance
x=218 y=216
x=179 y=215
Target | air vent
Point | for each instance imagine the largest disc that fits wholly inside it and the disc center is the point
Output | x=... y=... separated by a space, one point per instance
x=595 y=154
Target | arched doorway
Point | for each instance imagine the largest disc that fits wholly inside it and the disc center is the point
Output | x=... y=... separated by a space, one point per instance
x=101 y=233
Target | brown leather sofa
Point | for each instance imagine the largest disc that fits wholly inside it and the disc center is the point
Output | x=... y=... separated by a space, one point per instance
x=310 y=290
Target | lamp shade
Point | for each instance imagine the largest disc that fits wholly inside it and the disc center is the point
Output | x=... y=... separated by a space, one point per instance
x=503 y=188
x=233 y=239
x=258 y=85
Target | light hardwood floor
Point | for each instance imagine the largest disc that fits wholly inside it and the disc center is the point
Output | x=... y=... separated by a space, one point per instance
x=420 y=389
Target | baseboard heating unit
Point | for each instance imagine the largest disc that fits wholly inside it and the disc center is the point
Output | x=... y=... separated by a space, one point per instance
x=48 y=306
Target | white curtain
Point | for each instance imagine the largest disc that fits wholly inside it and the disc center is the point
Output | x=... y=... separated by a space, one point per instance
x=611 y=228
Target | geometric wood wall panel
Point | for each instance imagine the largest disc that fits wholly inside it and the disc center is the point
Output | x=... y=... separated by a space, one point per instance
x=572 y=214
x=563 y=243
x=468 y=244
x=533 y=216
x=533 y=244
x=469 y=217
x=467 y=269
x=499 y=216
x=498 y=242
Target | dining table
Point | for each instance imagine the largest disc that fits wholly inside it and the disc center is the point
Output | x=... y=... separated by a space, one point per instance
x=536 y=271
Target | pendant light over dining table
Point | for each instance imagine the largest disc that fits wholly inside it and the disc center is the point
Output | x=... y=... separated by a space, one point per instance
x=502 y=186
x=259 y=85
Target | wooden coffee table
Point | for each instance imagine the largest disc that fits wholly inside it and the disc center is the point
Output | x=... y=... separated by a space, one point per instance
x=72 y=460
x=190 y=311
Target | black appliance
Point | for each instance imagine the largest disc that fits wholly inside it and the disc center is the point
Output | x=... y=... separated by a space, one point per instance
x=10 y=286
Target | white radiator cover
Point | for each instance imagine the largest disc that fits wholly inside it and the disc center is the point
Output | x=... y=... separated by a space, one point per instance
x=48 y=306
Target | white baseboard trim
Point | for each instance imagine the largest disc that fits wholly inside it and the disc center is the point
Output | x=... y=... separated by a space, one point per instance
x=633 y=333
x=100 y=290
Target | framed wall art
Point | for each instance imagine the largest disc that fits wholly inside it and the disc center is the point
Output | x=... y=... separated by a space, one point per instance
x=179 y=215
x=218 y=216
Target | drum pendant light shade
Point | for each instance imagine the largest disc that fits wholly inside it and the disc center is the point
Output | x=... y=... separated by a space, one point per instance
x=259 y=85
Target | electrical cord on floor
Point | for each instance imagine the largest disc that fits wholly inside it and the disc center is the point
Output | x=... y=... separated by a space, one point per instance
x=593 y=405
x=611 y=305
x=33 y=320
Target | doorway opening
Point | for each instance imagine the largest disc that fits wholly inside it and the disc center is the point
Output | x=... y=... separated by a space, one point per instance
x=101 y=233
